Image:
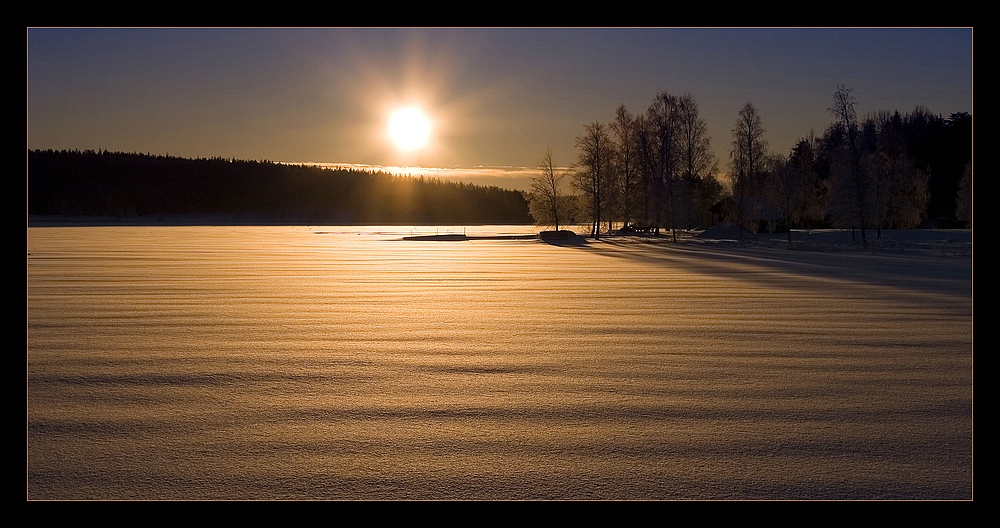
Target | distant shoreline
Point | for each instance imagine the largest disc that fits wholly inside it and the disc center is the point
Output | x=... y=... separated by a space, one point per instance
x=168 y=220
x=952 y=239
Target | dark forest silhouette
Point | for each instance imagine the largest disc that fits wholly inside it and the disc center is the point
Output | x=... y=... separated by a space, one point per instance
x=120 y=185
x=656 y=170
x=645 y=172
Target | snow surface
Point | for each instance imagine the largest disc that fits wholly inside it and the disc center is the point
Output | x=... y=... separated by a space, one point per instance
x=346 y=363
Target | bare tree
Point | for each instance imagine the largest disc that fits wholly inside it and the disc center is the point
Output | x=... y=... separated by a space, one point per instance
x=748 y=159
x=698 y=164
x=625 y=131
x=545 y=201
x=592 y=176
x=646 y=165
x=853 y=190
x=664 y=116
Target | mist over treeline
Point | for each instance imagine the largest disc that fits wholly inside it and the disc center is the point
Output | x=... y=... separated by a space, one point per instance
x=122 y=185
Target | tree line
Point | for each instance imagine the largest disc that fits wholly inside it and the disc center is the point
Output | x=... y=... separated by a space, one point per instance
x=121 y=185
x=656 y=170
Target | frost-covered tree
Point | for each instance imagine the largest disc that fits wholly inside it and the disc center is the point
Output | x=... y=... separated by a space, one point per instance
x=963 y=202
x=900 y=188
x=785 y=189
x=874 y=180
x=852 y=193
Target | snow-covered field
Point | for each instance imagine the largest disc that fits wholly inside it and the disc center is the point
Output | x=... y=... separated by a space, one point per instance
x=347 y=363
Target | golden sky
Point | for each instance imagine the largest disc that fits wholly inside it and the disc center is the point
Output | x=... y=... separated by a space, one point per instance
x=494 y=98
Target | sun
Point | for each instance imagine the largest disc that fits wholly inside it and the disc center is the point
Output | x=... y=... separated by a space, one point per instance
x=409 y=128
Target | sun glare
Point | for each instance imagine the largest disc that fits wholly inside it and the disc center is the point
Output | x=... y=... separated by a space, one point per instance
x=409 y=128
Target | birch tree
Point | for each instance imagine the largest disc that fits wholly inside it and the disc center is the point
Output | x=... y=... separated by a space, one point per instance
x=546 y=203
x=748 y=158
x=593 y=171
x=853 y=191
x=698 y=164
x=625 y=132
x=663 y=117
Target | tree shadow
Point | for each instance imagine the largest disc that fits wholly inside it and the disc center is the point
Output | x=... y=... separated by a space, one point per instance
x=904 y=276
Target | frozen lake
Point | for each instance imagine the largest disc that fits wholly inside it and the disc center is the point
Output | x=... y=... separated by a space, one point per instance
x=347 y=363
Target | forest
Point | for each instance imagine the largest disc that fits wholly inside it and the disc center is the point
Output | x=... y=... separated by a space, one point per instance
x=130 y=185
x=649 y=171
x=656 y=170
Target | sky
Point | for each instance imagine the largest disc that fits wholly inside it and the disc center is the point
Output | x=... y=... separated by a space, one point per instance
x=495 y=98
